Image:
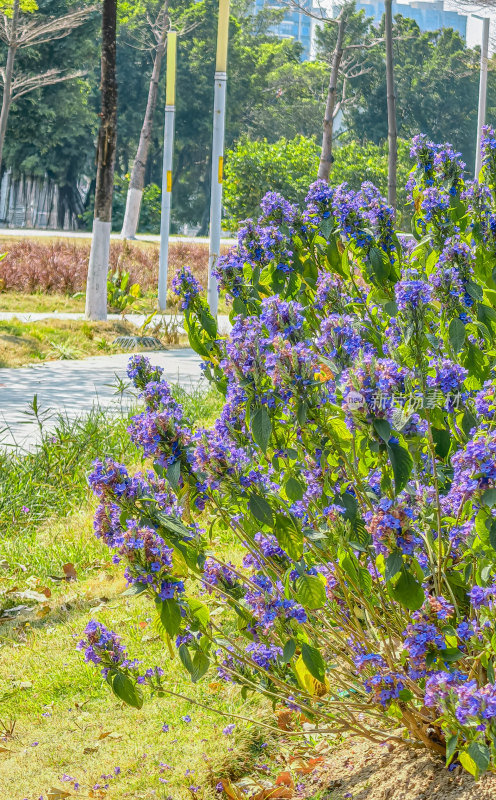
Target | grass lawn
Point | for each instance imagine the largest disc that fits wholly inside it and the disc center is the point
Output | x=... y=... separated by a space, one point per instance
x=24 y=343
x=57 y=718
x=21 y=302
x=66 y=720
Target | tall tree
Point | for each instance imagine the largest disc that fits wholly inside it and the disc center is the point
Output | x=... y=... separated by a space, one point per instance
x=20 y=28
x=96 y=288
x=326 y=157
x=346 y=37
x=391 y=104
x=436 y=78
x=159 y=27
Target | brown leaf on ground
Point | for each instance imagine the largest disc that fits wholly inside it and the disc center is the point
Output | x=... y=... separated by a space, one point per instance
x=110 y=735
x=284 y=720
x=232 y=791
x=69 y=572
x=306 y=767
x=285 y=779
x=277 y=792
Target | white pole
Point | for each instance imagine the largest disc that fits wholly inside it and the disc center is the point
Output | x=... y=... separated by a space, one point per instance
x=170 y=113
x=482 y=93
x=218 y=153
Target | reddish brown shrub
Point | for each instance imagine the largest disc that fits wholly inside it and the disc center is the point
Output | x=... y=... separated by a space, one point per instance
x=60 y=266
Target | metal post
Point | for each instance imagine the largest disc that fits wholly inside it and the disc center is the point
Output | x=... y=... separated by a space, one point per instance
x=170 y=112
x=482 y=93
x=218 y=152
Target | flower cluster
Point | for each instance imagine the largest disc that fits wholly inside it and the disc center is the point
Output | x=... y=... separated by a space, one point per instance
x=350 y=475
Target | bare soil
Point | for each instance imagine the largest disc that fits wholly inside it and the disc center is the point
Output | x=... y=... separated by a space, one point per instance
x=360 y=771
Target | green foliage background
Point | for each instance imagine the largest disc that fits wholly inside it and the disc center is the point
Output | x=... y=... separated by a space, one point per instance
x=288 y=166
x=272 y=95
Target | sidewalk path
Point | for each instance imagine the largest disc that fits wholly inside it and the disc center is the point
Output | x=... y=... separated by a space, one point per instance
x=74 y=387
x=35 y=233
x=134 y=319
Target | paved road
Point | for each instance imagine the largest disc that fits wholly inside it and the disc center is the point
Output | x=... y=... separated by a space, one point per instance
x=74 y=387
x=141 y=237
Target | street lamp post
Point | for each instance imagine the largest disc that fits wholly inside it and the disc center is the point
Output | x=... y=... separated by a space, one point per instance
x=218 y=153
x=481 y=119
x=170 y=112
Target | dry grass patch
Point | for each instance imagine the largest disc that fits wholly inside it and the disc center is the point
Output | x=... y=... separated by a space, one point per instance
x=24 y=343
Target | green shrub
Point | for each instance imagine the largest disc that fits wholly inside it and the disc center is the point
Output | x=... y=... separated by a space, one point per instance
x=254 y=168
x=354 y=461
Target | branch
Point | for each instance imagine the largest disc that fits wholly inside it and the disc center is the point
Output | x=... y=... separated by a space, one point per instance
x=29 y=83
x=295 y=6
x=36 y=31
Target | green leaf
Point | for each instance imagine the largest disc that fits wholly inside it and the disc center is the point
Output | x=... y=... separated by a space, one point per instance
x=394 y=563
x=451 y=745
x=261 y=427
x=310 y=591
x=382 y=428
x=391 y=308
x=199 y=611
x=407 y=591
x=201 y=663
x=380 y=264
x=288 y=651
x=480 y=754
x=301 y=412
x=124 y=688
x=451 y=654
x=289 y=536
x=261 y=510
x=442 y=441
x=170 y=615
x=468 y=763
x=456 y=334
x=294 y=490
x=208 y=323
x=492 y=534
x=313 y=662
x=402 y=464
x=174 y=473
x=185 y=657
x=349 y=503
x=474 y=290
x=489 y=498
x=468 y=422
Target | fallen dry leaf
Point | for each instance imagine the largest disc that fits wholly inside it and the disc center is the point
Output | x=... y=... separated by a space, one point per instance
x=305 y=768
x=57 y=794
x=10 y=613
x=110 y=735
x=69 y=571
x=284 y=719
x=271 y=794
x=232 y=791
x=285 y=779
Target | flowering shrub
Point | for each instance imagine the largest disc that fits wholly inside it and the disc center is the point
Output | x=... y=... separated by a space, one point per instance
x=354 y=461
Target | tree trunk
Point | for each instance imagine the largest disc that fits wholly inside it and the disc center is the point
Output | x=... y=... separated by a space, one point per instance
x=391 y=104
x=137 y=182
x=326 y=158
x=96 y=289
x=7 y=84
